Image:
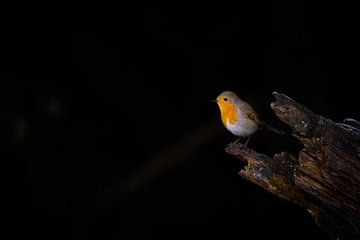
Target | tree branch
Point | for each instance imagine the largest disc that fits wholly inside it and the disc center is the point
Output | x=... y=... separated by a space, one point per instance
x=325 y=176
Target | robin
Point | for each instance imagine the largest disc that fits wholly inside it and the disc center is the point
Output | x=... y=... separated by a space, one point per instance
x=239 y=117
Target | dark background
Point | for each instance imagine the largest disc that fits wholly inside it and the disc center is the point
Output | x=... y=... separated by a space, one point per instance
x=107 y=125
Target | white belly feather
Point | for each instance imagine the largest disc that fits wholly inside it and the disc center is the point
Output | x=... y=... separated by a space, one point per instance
x=243 y=127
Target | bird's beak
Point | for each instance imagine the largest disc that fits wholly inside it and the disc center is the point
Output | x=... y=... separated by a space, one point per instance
x=213 y=100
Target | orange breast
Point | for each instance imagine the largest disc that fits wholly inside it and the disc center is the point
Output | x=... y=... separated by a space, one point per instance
x=228 y=113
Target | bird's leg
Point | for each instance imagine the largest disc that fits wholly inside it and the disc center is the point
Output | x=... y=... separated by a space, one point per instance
x=247 y=141
x=234 y=142
x=237 y=140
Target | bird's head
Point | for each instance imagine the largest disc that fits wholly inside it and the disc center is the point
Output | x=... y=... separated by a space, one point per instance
x=227 y=102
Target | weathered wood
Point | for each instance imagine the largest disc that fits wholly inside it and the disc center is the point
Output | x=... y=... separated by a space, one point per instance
x=325 y=176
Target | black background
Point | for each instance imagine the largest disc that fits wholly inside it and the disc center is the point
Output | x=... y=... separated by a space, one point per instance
x=108 y=127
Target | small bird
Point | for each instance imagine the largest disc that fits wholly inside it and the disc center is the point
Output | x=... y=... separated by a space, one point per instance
x=239 y=117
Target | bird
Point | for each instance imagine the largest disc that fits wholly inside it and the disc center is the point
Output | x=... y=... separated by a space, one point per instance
x=239 y=117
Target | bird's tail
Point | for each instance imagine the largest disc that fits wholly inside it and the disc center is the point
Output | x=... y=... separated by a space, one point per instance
x=274 y=129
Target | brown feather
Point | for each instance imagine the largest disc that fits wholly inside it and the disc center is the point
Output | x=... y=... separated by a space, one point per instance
x=274 y=129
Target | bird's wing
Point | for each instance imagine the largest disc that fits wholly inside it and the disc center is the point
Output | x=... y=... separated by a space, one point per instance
x=252 y=114
x=256 y=118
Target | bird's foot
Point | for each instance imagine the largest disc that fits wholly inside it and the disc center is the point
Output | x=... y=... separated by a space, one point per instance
x=236 y=143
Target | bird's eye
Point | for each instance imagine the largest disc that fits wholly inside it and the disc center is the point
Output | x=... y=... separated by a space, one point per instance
x=225 y=99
